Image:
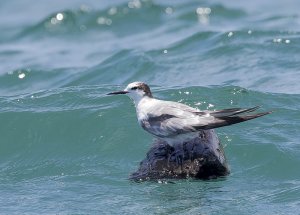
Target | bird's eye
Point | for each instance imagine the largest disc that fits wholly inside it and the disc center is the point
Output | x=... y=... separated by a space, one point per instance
x=134 y=88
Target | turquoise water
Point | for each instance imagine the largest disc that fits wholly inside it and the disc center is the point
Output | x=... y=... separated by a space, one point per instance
x=67 y=148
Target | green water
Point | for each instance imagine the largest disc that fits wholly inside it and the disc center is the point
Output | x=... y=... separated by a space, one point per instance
x=67 y=148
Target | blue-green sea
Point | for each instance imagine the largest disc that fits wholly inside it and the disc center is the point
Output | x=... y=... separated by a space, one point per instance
x=68 y=148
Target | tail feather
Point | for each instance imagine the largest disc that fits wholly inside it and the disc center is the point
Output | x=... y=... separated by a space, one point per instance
x=232 y=111
x=237 y=119
x=220 y=121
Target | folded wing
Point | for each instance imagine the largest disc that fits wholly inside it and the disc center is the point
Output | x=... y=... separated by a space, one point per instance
x=171 y=120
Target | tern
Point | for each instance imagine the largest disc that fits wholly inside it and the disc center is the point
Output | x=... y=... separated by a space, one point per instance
x=175 y=122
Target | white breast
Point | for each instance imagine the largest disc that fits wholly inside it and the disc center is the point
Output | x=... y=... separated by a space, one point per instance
x=144 y=106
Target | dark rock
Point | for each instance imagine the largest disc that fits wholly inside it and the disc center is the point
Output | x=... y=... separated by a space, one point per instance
x=200 y=158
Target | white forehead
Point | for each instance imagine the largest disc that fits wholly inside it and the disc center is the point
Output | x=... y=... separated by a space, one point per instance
x=134 y=84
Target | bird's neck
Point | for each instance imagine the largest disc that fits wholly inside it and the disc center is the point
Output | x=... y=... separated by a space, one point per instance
x=138 y=100
x=142 y=106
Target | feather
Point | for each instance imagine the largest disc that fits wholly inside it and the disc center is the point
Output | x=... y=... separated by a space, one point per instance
x=229 y=120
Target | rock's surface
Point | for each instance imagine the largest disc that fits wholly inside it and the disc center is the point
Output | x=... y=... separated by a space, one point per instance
x=201 y=158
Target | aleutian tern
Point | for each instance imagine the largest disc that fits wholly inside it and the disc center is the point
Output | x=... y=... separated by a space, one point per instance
x=175 y=122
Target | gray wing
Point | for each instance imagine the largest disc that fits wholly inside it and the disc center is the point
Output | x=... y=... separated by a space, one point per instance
x=171 y=119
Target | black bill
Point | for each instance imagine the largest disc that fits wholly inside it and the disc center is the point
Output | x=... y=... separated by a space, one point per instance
x=117 y=93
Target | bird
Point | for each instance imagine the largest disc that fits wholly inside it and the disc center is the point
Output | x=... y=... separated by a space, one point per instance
x=174 y=122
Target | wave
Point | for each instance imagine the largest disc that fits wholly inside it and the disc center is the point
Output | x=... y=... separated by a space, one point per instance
x=61 y=135
x=62 y=129
x=118 y=19
x=126 y=19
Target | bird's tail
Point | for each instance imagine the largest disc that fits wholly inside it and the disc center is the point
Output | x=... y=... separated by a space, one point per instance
x=233 y=119
x=231 y=116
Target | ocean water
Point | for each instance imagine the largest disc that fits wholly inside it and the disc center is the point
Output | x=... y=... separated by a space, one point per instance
x=67 y=148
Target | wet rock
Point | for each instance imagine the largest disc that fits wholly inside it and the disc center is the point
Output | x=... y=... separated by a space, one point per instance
x=200 y=158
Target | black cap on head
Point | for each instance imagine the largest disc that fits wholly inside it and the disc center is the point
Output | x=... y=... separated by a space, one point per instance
x=144 y=87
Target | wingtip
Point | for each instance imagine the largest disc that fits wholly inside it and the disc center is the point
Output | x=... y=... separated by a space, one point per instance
x=249 y=117
x=254 y=108
x=263 y=113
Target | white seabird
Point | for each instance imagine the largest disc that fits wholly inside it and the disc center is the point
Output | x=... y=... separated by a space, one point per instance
x=175 y=122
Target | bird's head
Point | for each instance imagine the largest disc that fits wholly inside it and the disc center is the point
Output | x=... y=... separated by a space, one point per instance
x=135 y=90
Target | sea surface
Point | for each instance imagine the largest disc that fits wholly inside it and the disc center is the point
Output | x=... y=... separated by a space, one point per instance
x=67 y=148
